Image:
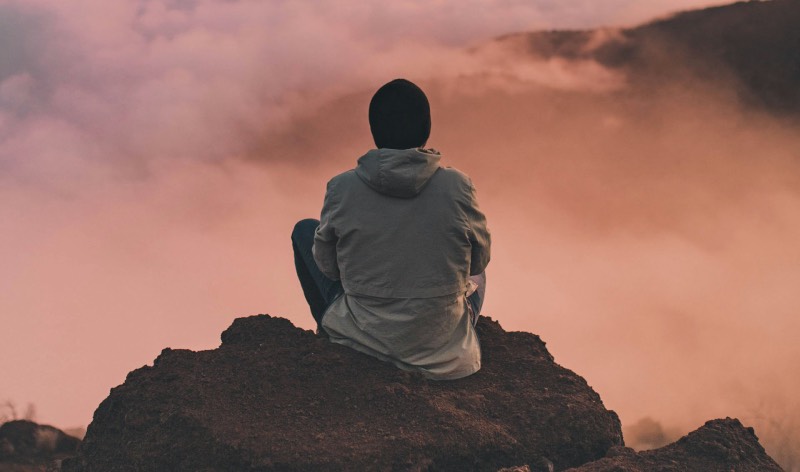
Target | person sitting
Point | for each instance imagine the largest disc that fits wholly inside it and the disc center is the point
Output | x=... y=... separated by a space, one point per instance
x=395 y=267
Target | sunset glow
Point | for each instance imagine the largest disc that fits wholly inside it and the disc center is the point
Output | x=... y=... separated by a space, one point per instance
x=155 y=154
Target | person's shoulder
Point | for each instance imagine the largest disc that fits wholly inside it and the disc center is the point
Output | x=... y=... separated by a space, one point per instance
x=342 y=179
x=455 y=177
x=348 y=174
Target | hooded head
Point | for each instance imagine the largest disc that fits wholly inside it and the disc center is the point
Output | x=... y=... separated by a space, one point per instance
x=400 y=116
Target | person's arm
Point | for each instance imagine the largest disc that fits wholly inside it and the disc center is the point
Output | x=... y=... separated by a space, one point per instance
x=325 y=238
x=479 y=236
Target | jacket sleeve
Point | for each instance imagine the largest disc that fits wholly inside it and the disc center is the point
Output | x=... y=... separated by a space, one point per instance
x=326 y=237
x=479 y=236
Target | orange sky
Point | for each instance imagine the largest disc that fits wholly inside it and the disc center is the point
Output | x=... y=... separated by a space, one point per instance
x=155 y=155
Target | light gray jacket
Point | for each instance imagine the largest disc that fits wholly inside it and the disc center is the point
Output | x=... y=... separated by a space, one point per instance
x=403 y=234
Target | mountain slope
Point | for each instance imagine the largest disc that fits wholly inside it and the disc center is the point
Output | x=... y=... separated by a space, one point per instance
x=755 y=45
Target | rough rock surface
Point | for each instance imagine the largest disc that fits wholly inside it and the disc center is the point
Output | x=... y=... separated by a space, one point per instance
x=275 y=397
x=718 y=446
x=28 y=446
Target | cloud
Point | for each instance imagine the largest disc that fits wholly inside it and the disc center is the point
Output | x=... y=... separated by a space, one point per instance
x=125 y=83
x=647 y=434
x=154 y=155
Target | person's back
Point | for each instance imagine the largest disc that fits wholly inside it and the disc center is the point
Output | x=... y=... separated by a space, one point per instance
x=403 y=235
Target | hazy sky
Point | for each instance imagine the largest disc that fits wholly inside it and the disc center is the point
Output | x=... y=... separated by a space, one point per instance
x=155 y=154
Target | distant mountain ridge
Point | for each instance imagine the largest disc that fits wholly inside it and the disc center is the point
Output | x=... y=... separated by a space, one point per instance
x=754 y=43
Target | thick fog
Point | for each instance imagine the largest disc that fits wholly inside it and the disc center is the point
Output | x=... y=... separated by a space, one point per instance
x=154 y=156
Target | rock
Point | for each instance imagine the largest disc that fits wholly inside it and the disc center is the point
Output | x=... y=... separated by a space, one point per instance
x=275 y=397
x=522 y=468
x=719 y=445
x=25 y=445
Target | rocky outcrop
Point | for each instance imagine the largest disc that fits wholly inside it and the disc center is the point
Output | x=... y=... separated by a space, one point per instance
x=275 y=397
x=718 y=446
x=25 y=445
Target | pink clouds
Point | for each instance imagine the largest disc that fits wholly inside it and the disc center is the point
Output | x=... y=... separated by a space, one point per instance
x=646 y=244
x=144 y=80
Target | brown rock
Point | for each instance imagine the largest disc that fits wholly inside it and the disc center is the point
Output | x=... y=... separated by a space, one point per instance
x=28 y=446
x=275 y=397
x=718 y=446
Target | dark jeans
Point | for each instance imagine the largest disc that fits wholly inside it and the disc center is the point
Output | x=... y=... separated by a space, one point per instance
x=321 y=291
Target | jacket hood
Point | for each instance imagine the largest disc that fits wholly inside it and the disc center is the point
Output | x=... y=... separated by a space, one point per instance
x=399 y=173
